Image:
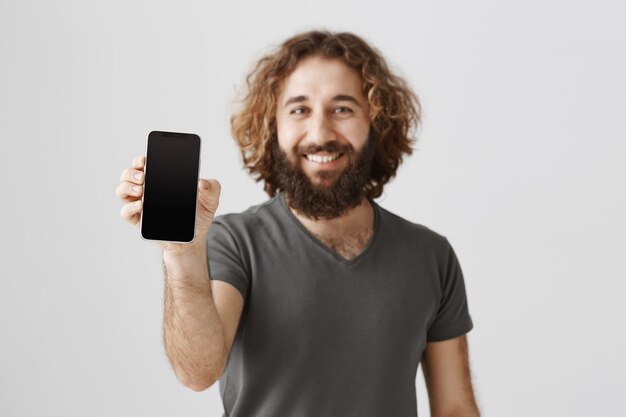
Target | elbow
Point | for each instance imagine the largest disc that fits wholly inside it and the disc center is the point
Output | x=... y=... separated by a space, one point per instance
x=199 y=377
x=198 y=386
x=197 y=383
x=200 y=381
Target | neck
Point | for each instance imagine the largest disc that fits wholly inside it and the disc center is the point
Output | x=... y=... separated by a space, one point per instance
x=356 y=220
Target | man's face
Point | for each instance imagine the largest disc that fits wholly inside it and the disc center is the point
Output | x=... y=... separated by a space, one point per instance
x=323 y=155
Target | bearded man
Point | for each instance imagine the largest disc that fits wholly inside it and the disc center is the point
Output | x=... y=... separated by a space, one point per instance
x=317 y=302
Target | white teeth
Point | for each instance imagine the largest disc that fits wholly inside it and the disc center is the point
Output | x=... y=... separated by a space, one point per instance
x=325 y=158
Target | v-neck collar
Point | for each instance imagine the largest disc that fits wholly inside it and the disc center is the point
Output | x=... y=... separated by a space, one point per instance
x=335 y=255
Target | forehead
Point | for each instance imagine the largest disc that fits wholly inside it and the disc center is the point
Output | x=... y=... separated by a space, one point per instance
x=322 y=76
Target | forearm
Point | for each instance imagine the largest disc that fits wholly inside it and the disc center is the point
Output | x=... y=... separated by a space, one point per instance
x=192 y=330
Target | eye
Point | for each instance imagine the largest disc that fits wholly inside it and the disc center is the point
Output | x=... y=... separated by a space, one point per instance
x=343 y=110
x=298 y=110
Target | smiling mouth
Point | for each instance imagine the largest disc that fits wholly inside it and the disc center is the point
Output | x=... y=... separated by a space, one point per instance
x=322 y=159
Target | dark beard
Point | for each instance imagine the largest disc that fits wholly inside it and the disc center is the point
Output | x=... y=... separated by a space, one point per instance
x=321 y=201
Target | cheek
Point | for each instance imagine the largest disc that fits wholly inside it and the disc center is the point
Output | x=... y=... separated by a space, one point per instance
x=287 y=136
x=357 y=132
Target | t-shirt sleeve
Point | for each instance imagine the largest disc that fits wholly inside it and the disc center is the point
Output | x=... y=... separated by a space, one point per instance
x=452 y=318
x=224 y=258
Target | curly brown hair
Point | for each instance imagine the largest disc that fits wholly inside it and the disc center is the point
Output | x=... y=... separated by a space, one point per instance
x=394 y=108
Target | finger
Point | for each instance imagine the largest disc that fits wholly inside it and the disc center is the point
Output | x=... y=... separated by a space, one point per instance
x=139 y=162
x=131 y=212
x=132 y=175
x=210 y=186
x=128 y=191
x=210 y=191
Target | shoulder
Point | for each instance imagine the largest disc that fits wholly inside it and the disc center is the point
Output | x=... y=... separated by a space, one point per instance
x=410 y=231
x=251 y=219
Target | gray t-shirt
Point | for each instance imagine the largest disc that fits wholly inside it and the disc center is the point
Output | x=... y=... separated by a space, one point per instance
x=320 y=335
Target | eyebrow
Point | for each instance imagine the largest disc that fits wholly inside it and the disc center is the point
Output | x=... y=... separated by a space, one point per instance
x=339 y=97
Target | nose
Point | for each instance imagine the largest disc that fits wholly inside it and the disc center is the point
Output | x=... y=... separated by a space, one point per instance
x=320 y=129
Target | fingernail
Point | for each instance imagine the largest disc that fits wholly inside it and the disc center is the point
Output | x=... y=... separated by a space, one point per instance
x=136 y=188
x=138 y=175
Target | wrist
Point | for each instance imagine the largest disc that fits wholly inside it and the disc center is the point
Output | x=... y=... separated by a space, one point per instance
x=183 y=253
x=176 y=250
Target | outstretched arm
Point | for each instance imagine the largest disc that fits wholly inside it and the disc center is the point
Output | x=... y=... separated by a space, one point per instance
x=445 y=365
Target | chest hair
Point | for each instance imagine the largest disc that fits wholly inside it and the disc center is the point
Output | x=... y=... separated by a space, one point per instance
x=348 y=247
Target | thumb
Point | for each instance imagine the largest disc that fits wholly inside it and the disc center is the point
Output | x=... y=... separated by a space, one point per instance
x=210 y=191
x=204 y=184
x=209 y=188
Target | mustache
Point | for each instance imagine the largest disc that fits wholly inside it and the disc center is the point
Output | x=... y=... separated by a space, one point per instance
x=330 y=147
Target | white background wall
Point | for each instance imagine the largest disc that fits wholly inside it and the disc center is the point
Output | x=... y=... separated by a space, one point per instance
x=519 y=164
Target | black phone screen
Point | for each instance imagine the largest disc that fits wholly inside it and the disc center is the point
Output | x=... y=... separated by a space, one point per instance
x=170 y=187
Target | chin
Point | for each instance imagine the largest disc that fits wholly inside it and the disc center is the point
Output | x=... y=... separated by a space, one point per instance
x=323 y=177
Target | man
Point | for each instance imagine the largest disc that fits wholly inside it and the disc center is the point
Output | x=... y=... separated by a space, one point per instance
x=319 y=302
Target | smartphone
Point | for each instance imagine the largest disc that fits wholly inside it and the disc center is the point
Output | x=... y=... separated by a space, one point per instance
x=170 y=187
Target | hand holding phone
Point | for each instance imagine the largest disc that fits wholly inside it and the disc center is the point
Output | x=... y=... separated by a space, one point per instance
x=131 y=190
